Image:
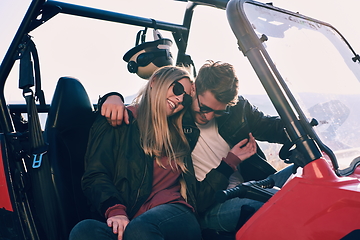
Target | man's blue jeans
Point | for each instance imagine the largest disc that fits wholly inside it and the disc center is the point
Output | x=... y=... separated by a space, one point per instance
x=224 y=217
x=167 y=221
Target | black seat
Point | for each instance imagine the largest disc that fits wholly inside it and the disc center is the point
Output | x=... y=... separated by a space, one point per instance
x=67 y=128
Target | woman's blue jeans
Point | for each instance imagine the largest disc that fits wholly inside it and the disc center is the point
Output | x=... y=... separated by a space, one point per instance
x=167 y=221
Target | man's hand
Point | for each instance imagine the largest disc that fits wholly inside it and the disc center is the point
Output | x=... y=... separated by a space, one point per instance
x=245 y=148
x=115 y=111
x=118 y=223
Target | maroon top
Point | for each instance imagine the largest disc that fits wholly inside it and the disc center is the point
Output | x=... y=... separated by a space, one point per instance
x=165 y=189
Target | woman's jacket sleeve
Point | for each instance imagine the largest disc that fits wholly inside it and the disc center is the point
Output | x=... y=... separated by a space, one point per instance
x=100 y=165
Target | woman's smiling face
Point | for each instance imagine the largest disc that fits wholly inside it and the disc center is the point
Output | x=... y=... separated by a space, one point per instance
x=175 y=101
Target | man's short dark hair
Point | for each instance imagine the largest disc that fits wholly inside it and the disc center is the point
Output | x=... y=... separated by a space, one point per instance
x=220 y=79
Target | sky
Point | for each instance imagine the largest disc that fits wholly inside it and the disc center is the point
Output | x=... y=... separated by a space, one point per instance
x=92 y=50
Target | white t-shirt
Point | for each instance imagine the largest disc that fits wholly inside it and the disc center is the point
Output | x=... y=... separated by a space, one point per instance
x=209 y=151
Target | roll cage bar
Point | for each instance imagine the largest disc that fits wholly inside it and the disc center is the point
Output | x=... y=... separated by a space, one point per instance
x=271 y=79
x=299 y=129
x=41 y=11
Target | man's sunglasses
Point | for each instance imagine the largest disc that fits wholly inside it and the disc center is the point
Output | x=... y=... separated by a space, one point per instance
x=206 y=109
x=146 y=58
x=178 y=89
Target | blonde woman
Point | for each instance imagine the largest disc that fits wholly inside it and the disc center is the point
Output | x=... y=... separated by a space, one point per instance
x=140 y=176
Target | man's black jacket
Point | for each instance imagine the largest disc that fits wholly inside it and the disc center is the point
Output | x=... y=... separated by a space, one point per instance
x=242 y=119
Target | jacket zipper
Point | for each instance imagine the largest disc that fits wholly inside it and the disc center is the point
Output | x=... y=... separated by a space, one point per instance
x=138 y=191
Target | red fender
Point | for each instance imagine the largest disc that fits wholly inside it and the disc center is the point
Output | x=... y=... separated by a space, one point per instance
x=317 y=205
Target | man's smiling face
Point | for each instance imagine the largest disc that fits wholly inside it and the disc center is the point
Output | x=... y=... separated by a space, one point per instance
x=205 y=107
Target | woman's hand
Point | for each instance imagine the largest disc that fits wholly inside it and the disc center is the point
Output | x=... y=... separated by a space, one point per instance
x=118 y=223
x=115 y=111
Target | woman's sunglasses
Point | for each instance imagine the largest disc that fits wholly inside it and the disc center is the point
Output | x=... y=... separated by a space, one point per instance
x=178 y=89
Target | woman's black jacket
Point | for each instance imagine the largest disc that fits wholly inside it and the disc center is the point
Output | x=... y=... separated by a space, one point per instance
x=117 y=171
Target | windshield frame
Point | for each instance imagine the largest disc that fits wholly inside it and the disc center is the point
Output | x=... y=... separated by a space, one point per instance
x=299 y=128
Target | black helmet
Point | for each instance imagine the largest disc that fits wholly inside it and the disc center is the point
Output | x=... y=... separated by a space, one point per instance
x=146 y=57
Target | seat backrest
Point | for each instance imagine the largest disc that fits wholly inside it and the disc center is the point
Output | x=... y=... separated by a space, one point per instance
x=70 y=117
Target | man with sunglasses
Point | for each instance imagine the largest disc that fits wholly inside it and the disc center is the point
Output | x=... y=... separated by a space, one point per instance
x=217 y=121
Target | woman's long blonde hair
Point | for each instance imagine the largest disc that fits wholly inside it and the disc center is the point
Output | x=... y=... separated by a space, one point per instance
x=162 y=135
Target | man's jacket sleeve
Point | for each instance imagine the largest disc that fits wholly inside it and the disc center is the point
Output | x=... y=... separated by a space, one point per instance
x=204 y=191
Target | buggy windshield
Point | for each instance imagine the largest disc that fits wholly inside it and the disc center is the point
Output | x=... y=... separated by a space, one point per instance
x=320 y=69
